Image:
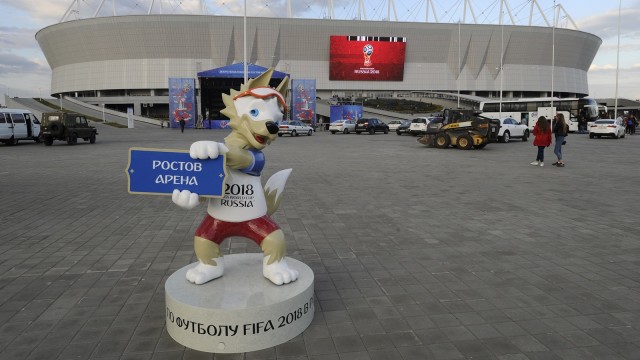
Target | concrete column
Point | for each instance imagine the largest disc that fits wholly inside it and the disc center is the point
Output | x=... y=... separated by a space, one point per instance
x=137 y=108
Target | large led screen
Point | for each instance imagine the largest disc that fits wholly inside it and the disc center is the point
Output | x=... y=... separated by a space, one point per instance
x=367 y=58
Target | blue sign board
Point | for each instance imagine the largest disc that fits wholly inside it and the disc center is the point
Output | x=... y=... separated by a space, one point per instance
x=159 y=172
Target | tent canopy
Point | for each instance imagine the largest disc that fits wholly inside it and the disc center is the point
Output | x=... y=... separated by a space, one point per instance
x=236 y=71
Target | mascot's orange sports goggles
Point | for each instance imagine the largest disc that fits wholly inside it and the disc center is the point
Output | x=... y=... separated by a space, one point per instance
x=263 y=92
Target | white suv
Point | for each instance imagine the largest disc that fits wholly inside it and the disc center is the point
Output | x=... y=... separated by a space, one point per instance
x=419 y=125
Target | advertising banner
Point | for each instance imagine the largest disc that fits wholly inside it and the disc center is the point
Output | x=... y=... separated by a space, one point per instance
x=335 y=113
x=304 y=100
x=345 y=112
x=220 y=124
x=367 y=58
x=352 y=112
x=182 y=104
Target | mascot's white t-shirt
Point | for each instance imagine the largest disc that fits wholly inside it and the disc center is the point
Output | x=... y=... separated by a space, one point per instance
x=243 y=199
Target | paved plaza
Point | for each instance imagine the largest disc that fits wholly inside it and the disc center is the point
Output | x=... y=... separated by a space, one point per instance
x=418 y=253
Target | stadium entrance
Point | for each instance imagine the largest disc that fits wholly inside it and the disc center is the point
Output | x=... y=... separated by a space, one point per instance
x=215 y=82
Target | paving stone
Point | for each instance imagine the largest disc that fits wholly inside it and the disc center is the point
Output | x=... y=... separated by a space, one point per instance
x=347 y=344
x=83 y=276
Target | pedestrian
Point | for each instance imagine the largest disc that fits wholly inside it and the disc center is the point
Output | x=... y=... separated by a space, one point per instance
x=582 y=123
x=182 y=123
x=542 y=134
x=560 y=130
x=631 y=123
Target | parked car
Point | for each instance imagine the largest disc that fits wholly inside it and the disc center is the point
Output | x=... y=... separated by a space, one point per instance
x=512 y=128
x=393 y=124
x=67 y=127
x=419 y=125
x=404 y=127
x=342 y=126
x=294 y=128
x=371 y=126
x=607 y=127
x=18 y=124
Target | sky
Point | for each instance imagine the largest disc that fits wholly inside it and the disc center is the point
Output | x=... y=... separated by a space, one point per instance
x=24 y=71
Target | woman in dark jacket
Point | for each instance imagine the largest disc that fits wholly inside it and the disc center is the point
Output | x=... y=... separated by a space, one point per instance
x=560 y=130
x=542 y=133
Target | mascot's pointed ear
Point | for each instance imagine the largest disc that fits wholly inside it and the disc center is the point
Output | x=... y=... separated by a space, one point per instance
x=263 y=79
x=283 y=87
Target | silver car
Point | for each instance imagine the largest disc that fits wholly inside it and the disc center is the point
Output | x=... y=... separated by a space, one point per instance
x=342 y=126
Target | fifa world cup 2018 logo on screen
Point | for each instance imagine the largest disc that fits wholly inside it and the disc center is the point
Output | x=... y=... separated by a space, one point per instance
x=368 y=51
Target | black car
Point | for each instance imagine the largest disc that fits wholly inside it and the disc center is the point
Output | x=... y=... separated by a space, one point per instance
x=404 y=127
x=371 y=126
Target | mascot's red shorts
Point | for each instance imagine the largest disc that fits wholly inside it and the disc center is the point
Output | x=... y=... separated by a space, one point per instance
x=217 y=230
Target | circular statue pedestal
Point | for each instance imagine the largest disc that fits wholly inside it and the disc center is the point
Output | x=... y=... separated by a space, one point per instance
x=240 y=311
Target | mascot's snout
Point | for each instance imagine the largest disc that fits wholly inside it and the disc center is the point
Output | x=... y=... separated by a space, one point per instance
x=272 y=127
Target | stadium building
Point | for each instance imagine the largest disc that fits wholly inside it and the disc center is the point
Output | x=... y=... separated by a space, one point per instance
x=126 y=61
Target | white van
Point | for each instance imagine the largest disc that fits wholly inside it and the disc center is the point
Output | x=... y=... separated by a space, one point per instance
x=18 y=124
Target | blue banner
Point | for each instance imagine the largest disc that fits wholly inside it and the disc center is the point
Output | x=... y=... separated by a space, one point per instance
x=220 y=124
x=351 y=112
x=335 y=113
x=159 y=172
x=345 y=112
x=304 y=100
x=182 y=105
x=236 y=71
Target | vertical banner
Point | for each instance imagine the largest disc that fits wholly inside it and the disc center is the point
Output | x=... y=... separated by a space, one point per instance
x=182 y=102
x=304 y=100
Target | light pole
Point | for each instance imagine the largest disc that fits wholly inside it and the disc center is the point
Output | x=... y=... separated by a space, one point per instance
x=553 y=50
x=501 y=62
x=615 y=107
x=459 y=70
x=244 y=47
x=103 y=113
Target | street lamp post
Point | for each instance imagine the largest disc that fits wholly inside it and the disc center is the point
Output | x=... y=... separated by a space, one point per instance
x=615 y=108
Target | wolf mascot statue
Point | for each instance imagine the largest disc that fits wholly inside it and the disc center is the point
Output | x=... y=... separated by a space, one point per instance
x=245 y=209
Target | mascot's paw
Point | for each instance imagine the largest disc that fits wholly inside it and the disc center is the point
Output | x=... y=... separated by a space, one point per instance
x=206 y=150
x=185 y=199
x=279 y=272
x=203 y=273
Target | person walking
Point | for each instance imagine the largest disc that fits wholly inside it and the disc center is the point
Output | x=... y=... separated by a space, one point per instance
x=182 y=124
x=560 y=130
x=542 y=134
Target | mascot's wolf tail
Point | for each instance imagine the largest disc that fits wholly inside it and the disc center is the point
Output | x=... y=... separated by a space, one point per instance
x=274 y=188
